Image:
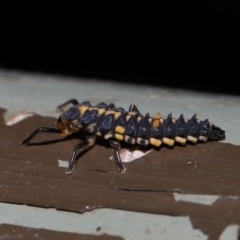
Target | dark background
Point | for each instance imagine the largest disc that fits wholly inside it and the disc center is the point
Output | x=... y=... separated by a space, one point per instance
x=165 y=44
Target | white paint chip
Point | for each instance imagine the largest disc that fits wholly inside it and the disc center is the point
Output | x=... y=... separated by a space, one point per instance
x=9 y=121
x=230 y=232
x=128 y=155
x=200 y=199
x=127 y=224
x=194 y=198
x=62 y=163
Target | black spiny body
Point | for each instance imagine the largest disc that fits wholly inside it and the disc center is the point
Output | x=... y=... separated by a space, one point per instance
x=116 y=124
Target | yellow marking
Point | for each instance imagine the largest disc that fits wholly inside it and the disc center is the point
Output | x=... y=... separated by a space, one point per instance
x=156 y=123
x=91 y=127
x=192 y=139
x=150 y=120
x=74 y=122
x=108 y=135
x=74 y=127
x=110 y=112
x=132 y=113
x=128 y=117
x=119 y=137
x=168 y=141
x=99 y=133
x=155 y=142
x=93 y=108
x=101 y=111
x=146 y=142
x=173 y=120
x=133 y=141
x=117 y=115
x=83 y=109
x=202 y=138
x=181 y=140
x=119 y=129
x=91 y=140
x=138 y=140
x=126 y=139
x=139 y=119
x=62 y=126
x=158 y=115
x=64 y=134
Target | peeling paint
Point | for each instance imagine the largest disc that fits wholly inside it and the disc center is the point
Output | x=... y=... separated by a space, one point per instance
x=230 y=232
x=200 y=199
x=11 y=120
x=31 y=86
x=129 y=155
x=129 y=225
x=62 y=163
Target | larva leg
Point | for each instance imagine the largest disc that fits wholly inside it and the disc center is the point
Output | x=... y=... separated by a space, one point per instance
x=26 y=141
x=71 y=101
x=116 y=148
x=82 y=146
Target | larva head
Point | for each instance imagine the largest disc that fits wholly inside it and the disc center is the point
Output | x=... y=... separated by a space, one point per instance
x=67 y=122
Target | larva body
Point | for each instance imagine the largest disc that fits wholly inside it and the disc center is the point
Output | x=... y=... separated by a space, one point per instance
x=116 y=125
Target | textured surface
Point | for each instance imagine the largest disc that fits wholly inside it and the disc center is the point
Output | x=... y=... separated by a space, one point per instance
x=192 y=191
x=30 y=175
x=9 y=232
x=128 y=224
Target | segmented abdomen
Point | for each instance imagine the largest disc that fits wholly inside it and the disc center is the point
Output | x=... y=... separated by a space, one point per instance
x=180 y=130
x=155 y=131
x=136 y=129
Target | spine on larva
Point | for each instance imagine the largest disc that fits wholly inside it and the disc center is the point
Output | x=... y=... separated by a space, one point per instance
x=133 y=128
x=180 y=130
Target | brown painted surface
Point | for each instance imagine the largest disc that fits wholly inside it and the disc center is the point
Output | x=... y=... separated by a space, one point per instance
x=30 y=175
x=9 y=232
